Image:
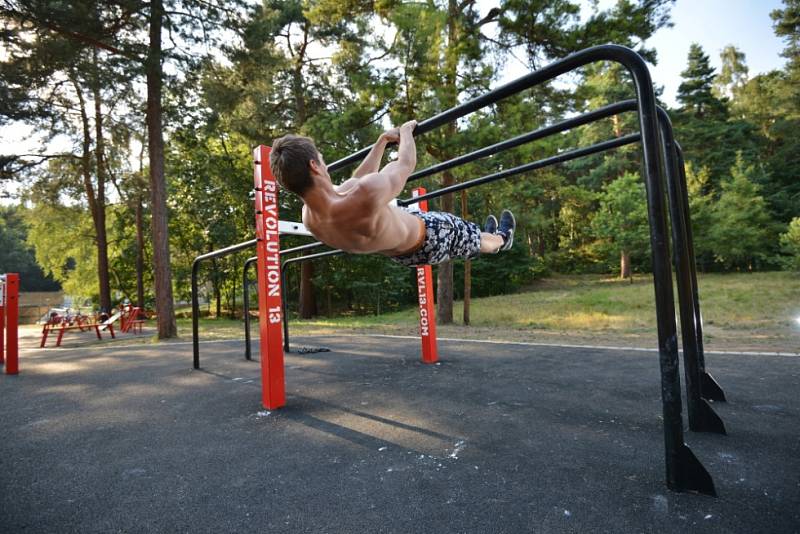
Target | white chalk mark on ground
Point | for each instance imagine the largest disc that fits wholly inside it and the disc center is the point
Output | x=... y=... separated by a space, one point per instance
x=460 y=445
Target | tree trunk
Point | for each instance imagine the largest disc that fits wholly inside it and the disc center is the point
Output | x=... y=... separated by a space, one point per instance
x=444 y=277
x=139 y=253
x=308 y=303
x=100 y=202
x=95 y=199
x=162 y=271
x=467 y=266
x=307 y=306
x=624 y=265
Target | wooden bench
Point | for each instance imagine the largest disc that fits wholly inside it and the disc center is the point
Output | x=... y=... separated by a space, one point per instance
x=83 y=327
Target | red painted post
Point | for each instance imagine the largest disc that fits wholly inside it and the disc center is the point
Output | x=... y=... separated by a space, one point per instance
x=273 y=389
x=427 y=315
x=12 y=323
x=2 y=319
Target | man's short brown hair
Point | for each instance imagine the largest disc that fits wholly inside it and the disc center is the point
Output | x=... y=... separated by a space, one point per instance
x=289 y=161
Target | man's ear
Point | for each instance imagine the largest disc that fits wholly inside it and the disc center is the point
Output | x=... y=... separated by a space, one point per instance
x=314 y=166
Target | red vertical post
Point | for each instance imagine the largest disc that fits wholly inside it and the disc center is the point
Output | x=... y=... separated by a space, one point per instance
x=427 y=315
x=2 y=319
x=12 y=323
x=273 y=389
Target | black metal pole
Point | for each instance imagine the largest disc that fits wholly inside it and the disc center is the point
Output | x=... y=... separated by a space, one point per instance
x=702 y=417
x=195 y=317
x=246 y=306
x=684 y=471
x=709 y=388
x=301 y=248
x=616 y=53
x=298 y=259
x=574 y=122
x=195 y=305
x=554 y=160
x=284 y=308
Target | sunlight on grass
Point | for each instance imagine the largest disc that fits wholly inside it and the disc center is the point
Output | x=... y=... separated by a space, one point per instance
x=740 y=306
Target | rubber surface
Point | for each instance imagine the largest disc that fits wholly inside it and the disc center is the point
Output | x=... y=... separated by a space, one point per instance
x=494 y=439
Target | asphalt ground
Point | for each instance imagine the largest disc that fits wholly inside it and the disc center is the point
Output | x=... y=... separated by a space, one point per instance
x=496 y=438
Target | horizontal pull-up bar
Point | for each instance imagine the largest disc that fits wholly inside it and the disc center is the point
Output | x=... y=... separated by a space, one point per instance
x=553 y=160
x=301 y=248
x=617 y=53
x=574 y=122
x=225 y=251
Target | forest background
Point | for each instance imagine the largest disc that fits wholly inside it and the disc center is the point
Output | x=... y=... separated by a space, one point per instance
x=162 y=102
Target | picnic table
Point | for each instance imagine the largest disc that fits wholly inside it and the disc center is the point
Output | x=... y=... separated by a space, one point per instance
x=84 y=324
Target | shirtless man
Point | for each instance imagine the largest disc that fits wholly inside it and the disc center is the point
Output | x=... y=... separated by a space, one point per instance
x=356 y=216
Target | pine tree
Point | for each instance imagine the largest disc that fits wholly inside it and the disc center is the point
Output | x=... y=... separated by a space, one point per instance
x=743 y=233
x=695 y=92
x=787 y=25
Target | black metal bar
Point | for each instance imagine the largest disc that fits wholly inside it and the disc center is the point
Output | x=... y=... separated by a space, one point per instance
x=246 y=306
x=301 y=248
x=297 y=259
x=709 y=388
x=702 y=417
x=195 y=304
x=248 y=351
x=574 y=122
x=553 y=160
x=619 y=54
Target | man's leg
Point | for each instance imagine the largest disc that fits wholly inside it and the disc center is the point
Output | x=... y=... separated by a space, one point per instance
x=490 y=243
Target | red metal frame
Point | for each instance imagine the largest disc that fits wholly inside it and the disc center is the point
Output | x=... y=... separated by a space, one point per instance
x=2 y=324
x=427 y=314
x=9 y=319
x=273 y=392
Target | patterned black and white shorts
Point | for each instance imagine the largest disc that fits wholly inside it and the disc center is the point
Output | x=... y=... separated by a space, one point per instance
x=446 y=236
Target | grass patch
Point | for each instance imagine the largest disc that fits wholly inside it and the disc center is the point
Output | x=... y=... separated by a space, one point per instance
x=740 y=310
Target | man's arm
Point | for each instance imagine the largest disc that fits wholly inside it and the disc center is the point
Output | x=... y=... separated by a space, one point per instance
x=387 y=184
x=373 y=159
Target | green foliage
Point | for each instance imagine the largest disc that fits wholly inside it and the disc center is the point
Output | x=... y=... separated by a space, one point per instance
x=790 y=245
x=701 y=204
x=733 y=73
x=742 y=230
x=17 y=256
x=63 y=238
x=621 y=221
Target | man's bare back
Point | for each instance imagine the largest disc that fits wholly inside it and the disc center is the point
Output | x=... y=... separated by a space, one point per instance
x=356 y=216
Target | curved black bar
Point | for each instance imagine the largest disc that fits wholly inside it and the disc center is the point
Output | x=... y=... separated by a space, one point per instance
x=195 y=305
x=574 y=122
x=620 y=54
x=553 y=160
x=701 y=415
x=683 y=470
x=298 y=259
x=246 y=306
